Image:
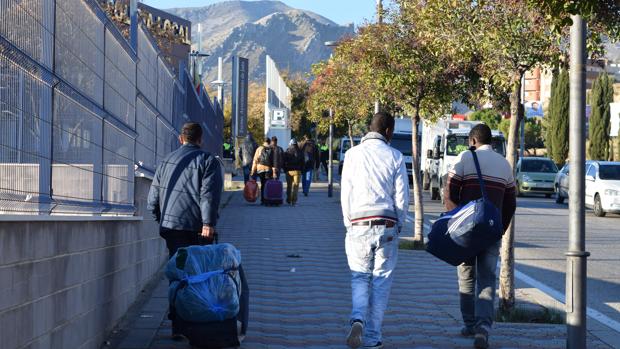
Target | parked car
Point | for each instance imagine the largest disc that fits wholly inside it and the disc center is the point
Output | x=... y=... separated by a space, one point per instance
x=603 y=187
x=561 y=184
x=536 y=175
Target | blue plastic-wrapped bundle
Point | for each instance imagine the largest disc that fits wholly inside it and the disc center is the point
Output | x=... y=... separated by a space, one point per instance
x=205 y=283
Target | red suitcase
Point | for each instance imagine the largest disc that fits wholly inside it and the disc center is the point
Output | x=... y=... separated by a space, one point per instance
x=274 y=192
x=250 y=191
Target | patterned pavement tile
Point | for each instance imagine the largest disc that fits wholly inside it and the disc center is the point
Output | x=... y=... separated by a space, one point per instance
x=299 y=283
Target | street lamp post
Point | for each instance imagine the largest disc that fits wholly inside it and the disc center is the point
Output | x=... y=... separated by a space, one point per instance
x=220 y=83
x=330 y=178
x=195 y=55
x=379 y=21
x=576 y=257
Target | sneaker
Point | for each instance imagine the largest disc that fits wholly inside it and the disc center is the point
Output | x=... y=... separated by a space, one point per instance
x=467 y=331
x=379 y=345
x=481 y=339
x=354 y=339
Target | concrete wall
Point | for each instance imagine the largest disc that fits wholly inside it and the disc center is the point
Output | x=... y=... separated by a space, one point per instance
x=65 y=284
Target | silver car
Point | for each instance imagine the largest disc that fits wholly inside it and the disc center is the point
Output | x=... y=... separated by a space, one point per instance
x=561 y=184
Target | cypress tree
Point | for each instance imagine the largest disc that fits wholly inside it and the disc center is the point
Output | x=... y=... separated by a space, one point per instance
x=559 y=125
x=602 y=95
x=550 y=114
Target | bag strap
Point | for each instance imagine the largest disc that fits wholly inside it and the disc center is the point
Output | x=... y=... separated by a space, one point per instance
x=480 y=180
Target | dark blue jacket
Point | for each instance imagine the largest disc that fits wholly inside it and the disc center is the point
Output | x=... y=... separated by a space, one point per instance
x=186 y=191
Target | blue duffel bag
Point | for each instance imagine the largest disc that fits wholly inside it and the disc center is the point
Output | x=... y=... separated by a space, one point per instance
x=462 y=233
x=205 y=284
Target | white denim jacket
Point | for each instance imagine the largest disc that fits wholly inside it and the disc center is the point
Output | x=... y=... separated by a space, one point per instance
x=374 y=182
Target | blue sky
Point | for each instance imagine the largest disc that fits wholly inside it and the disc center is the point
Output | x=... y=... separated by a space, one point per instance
x=339 y=11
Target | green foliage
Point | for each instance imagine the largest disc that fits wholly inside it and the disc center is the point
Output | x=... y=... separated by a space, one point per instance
x=547 y=121
x=602 y=16
x=602 y=95
x=338 y=84
x=300 y=116
x=489 y=116
x=531 y=315
x=558 y=123
x=533 y=132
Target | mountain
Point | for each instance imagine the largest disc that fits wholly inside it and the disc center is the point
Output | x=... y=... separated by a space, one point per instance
x=253 y=29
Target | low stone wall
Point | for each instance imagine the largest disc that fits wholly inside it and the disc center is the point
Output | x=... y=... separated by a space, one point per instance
x=66 y=283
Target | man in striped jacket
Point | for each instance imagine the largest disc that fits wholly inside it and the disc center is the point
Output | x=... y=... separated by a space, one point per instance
x=477 y=304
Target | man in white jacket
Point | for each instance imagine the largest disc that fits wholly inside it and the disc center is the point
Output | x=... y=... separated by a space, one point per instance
x=375 y=201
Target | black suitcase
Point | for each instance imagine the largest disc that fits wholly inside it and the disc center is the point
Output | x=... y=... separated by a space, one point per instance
x=216 y=334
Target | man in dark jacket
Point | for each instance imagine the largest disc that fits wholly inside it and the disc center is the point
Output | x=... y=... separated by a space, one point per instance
x=324 y=155
x=293 y=164
x=311 y=162
x=185 y=193
x=278 y=157
x=246 y=155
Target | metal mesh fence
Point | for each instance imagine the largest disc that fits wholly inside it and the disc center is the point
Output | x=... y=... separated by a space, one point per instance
x=120 y=81
x=29 y=25
x=79 y=48
x=80 y=111
x=23 y=132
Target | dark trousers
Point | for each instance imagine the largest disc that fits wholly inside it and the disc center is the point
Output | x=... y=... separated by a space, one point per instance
x=176 y=239
x=264 y=177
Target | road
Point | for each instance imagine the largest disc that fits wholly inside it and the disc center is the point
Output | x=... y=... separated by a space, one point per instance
x=542 y=239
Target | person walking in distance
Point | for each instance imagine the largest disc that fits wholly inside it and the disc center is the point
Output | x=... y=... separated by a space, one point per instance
x=184 y=197
x=477 y=277
x=246 y=155
x=278 y=158
x=293 y=164
x=375 y=201
x=263 y=166
x=311 y=162
x=324 y=155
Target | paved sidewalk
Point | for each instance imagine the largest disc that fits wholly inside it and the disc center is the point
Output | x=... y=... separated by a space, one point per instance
x=300 y=288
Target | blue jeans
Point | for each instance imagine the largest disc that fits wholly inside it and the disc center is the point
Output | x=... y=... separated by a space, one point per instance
x=306 y=180
x=477 y=283
x=372 y=253
x=246 y=173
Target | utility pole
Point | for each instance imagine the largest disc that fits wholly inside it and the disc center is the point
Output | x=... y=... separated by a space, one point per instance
x=330 y=177
x=522 y=138
x=379 y=21
x=220 y=83
x=576 y=257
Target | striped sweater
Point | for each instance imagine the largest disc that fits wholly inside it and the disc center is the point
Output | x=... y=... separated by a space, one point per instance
x=463 y=187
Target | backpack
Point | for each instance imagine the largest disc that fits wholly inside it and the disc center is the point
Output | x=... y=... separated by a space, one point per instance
x=309 y=155
x=266 y=157
x=462 y=233
x=293 y=161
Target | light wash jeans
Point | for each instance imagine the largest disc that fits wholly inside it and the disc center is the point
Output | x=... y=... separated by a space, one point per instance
x=477 y=283
x=372 y=253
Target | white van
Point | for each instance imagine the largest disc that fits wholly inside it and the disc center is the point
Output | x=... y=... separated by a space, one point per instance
x=345 y=144
x=401 y=141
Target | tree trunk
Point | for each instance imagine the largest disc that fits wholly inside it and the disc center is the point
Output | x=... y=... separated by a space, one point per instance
x=418 y=229
x=350 y=126
x=507 y=271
